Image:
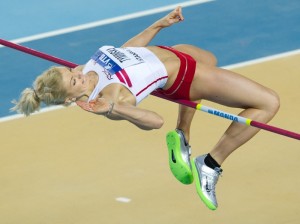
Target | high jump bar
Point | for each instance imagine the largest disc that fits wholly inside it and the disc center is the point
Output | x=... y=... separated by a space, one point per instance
x=197 y=106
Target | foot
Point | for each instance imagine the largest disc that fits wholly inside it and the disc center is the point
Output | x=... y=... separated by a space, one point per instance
x=206 y=180
x=179 y=156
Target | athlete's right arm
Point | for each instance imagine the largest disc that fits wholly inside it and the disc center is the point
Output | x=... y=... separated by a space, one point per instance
x=143 y=38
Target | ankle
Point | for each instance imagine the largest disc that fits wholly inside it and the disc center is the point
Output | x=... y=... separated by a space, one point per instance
x=186 y=134
x=211 y=162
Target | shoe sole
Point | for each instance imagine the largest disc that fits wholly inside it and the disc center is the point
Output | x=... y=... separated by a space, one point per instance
x=179 y=168
x=198 y=186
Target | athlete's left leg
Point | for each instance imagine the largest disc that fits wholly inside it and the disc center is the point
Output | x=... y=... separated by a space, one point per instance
x=178 y=140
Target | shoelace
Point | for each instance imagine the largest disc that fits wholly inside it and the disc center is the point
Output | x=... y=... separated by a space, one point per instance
x=219 y=171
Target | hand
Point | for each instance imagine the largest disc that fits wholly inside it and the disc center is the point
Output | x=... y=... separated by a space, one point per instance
x=99 y=106
x=173 y=17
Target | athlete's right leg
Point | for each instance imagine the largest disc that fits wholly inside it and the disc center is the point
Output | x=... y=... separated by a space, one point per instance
x=230 y=89
x=234 y=90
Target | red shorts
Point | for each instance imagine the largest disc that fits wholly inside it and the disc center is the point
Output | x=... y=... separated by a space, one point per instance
x=182 y=84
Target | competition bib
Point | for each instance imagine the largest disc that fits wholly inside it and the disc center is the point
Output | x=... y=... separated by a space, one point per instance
x=116 y=59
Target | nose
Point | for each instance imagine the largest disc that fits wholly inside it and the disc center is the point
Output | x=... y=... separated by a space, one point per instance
x=79 y=76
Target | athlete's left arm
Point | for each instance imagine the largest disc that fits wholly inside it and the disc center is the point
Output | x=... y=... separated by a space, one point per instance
x=144 y=119
x=144 y=38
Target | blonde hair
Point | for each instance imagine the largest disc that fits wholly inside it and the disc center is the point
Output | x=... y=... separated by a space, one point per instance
x=47 y=88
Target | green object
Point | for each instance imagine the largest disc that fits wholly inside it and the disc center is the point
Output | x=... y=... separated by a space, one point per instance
x=180 y=168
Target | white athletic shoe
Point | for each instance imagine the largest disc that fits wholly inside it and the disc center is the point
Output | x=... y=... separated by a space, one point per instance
x=206 y=180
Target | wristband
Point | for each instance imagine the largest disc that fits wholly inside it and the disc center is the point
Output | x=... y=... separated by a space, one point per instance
x=111 y=107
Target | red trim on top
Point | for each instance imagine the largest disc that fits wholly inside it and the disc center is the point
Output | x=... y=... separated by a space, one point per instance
x=125 y=75
x=164 y=77
x=120 y=77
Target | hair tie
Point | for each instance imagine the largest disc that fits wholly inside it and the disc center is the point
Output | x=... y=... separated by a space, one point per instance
x=35 y=95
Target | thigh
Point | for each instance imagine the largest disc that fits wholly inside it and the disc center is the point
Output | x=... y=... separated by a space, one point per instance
x=228 y=88
x=200 y=55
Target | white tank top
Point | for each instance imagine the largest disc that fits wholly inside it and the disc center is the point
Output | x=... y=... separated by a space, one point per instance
x=136 y=68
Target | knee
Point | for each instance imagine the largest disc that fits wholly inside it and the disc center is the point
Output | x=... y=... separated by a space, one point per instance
x=200 y=55
x=211 y=59
x=208 y=58
x=273 y=103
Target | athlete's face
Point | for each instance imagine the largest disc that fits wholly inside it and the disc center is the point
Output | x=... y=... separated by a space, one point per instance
x=75 y=82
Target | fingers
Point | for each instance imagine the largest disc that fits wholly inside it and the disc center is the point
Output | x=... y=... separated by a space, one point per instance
x=173 y=17
x=85 y=105
x=98 y=106
x=176 y=15
x=178 y=11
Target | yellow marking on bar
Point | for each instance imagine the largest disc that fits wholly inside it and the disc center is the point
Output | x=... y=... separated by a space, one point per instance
x=248 y=121
x=198 y=107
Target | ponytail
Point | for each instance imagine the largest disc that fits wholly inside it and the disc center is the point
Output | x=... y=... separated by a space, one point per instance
x=48 y=88
x=28 y=102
